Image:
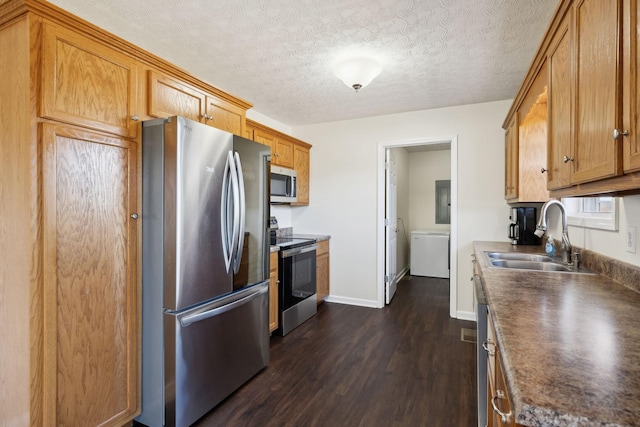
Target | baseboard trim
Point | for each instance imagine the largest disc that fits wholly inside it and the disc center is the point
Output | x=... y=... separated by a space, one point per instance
x=352 y=301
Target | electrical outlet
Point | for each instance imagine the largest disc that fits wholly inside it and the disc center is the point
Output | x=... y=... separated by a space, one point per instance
x=631 y=240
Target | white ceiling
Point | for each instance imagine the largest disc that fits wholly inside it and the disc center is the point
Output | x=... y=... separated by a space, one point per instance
x=278 y=54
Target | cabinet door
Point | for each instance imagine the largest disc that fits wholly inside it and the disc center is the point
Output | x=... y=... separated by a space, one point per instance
x=87 y=83
x=559 y=105
x=91 y=307
x=273 y=292
x=266 y=139
x=301 y=166
x=511 y=159
x=595 y=153
x=225 y=116
x=171 y=97
x=631 y=117
x=283 y=151
x=322 y=271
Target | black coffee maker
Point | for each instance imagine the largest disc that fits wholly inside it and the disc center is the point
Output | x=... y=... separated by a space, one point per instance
x=522 y=227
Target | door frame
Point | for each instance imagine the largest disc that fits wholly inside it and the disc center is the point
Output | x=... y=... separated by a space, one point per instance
x=380 y=228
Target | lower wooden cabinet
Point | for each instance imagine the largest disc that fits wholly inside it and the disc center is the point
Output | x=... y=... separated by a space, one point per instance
x=499 y=409
x=273 y=291
x=91 y=297
x=322 y=270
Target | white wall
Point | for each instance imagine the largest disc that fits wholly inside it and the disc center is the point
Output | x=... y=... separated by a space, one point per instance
x=426 y=168
x=609 y=243
x=344 y=189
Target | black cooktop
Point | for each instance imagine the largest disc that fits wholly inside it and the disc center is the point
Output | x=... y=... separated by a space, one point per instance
x=291 y=242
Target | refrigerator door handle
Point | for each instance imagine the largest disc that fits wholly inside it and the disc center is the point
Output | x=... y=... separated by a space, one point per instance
x=242 y=207
x=193 y=318
x=224 y=211
x=230 y=229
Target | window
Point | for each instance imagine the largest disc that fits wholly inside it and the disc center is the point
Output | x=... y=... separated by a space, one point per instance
x=592 y=212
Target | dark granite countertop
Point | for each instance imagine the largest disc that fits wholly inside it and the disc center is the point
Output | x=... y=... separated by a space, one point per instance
x=570 y=343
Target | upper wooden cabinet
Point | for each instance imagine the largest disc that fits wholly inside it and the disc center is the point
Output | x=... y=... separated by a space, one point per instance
x=595 y=153
x=511 y=159
x=526 y=146
x=282 y=153
x=631 y=82
x=169 y=96
x=286 y=151
x=87 y=83
x=301 y=163
x=559 y=108
x=591 y=49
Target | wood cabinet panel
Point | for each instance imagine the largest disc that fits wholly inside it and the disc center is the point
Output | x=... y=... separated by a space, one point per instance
x=511 y=160
x=87 y=83
x=273 y=292
x=322 y=271
x=225 y=116
x=91 y=292
x=631 y=114
x=265 y=138
x=559 y=105
x=595 y=153
x=282 y=151
x=171 y=97
x=301 y=160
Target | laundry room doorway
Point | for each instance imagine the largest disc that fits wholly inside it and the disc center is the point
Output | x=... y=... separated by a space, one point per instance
x=400 y=166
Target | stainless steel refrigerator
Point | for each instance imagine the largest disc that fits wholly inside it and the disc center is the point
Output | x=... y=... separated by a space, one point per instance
x=205 y=267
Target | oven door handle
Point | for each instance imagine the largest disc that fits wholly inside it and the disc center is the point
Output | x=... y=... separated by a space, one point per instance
x=296 y=251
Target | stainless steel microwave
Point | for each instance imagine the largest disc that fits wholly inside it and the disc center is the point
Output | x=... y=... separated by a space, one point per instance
x=284 y=185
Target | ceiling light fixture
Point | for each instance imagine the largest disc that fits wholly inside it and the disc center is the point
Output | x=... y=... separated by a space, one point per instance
x=357 y=72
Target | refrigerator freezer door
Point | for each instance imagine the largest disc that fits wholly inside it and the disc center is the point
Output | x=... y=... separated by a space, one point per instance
x=212 y=350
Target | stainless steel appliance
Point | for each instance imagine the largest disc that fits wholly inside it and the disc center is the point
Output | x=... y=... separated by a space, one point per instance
x=284 y=185
x=481 y=349
x=523 y=226
x=297 y=276
x=205 y=268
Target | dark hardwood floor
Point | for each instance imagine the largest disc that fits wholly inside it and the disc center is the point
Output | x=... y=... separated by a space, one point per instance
x=403 y=365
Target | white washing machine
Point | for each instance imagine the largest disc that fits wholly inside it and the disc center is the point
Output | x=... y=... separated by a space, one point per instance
x=430 y=253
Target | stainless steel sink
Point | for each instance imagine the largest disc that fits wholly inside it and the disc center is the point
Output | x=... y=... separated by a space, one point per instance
x=529 y=265
x=519 y=256
x=538 y=266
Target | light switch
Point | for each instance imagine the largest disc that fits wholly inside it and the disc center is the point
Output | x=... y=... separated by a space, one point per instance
x=631 y=240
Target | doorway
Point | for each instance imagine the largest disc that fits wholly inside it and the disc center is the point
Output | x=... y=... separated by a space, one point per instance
x=382 y=229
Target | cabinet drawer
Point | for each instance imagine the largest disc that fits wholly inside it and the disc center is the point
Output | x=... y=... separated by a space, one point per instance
x=87 y=83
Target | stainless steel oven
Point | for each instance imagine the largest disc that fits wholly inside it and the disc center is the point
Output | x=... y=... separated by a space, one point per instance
x=297 y=275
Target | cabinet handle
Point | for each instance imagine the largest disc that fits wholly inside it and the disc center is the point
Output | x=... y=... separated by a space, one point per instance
x=543 y=170
x=503 y=417
x=616 y=133
x=135 y=118
x=134 y=216
x=486 y=345
x=210 y=117
x=567 y=159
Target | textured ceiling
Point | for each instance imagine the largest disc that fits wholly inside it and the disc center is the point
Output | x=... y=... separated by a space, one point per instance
x=278 y=54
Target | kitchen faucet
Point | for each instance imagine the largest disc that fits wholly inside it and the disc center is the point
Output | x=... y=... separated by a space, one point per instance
x=542 y=227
